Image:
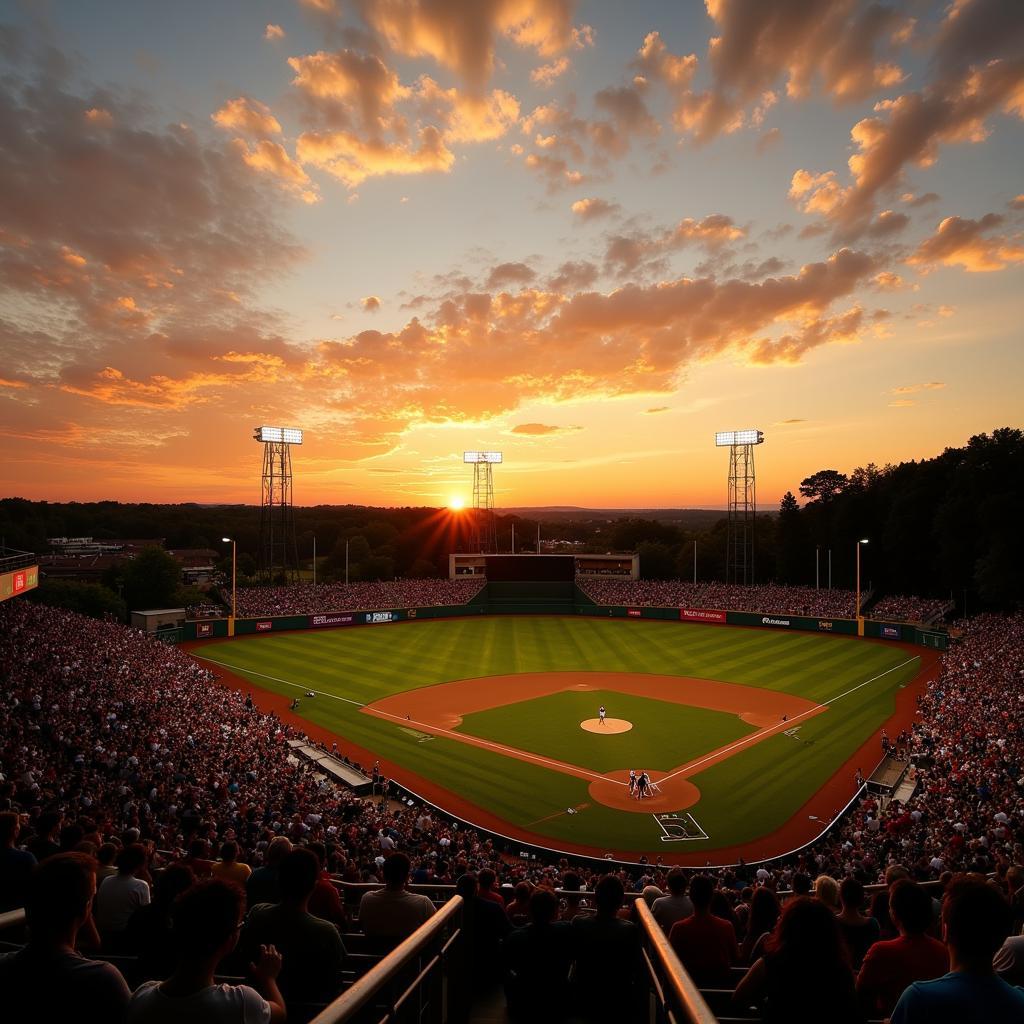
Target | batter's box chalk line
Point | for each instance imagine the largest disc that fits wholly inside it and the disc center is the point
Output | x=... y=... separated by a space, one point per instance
x=679 y=828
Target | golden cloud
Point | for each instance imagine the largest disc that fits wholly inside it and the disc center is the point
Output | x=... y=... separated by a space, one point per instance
x=463 y=37
x=594 y=208
x=963 y=242
x=247 y=116
x=272 y=32
x=273 y=159
x=541 y=429
x=546 y=74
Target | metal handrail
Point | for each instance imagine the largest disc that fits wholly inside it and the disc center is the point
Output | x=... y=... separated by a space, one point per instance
x=12 y=919
x=371 y=984
x=680 y=1000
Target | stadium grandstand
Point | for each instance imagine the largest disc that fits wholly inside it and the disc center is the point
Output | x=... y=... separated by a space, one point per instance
x=123 y=760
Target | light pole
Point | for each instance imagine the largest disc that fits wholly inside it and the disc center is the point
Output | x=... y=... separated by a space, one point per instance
x=860 y=620
x=817 y=569
x=234 y=583
x=314 y=563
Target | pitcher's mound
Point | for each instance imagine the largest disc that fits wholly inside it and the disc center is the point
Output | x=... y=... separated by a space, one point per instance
x=611 y=725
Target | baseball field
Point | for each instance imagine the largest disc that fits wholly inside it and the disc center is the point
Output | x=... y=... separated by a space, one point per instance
x=751 y=738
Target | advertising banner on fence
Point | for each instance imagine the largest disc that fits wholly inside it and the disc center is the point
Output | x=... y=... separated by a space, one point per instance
x=891 y=632
x=264 y=627
x=204 y=629
x=634 y=613
x=17 y=582
x=701 y=615
x=334 y=619
x=374 y=617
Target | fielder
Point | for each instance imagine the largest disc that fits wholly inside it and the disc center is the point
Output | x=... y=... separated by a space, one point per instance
x=600 y=715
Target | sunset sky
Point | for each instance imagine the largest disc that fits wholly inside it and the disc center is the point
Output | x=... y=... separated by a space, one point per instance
x=588 y=234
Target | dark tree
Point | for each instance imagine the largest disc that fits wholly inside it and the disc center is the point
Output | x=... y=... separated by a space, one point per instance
x=152 y=580
x=824 y=486
x=792 y=548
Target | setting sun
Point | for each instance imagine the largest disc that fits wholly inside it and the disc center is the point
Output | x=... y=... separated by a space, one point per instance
x=456 y=504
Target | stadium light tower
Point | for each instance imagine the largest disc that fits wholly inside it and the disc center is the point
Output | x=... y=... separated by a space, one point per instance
x=742 y=498
x=484 y=523
x=857 y=615
x=278 y=552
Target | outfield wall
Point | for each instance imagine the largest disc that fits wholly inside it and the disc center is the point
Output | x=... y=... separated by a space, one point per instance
x=508 y=604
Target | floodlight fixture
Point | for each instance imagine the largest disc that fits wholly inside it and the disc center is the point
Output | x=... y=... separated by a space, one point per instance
x=727 y=438
x=278 y=435
x=865 y=541
x=474 y=457
x=226 y=540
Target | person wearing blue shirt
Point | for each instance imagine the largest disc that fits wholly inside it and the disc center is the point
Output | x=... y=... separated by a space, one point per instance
x=975 y=921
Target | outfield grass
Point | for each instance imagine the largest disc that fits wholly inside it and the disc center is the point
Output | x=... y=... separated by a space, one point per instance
x=742 y=798
x=664 y=735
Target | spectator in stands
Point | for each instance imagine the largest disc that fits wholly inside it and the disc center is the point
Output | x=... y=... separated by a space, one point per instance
x=1009 y=960
x=764 y=915
x=264 y=885
x=705 y=944
x=518 y=910
x=48 y=980
x=105 y=857
x=312 y=949
x=229 y=867
x=207 y=919
x=15 y=865
x=891 y=965
x=804 y=976
x=537 y=961
x=198 y=860
x=676 y=905
x=860 y=932
x=486 y=880
x=573 y=903
x=826 y=891
x=607 y=959
x=325 y=901
x=44 y=844
x=389 y=915
x=149 y=933
x=120 y=895
x=485 y=926
x=975 y=921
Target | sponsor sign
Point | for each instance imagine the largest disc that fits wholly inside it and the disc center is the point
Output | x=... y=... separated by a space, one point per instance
x=336 y=619
x=891 y=632
x=411 y=613
x=204 y=629
x=634 y=613
x=18 y=581
x=701 y=615
x=824 y=627
x=264 y=627
x=768 y=620
x=380 y=617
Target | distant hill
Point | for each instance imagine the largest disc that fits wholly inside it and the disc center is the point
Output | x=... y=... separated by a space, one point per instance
x=692 y=518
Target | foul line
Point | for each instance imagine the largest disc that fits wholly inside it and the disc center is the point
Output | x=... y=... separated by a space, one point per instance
x=788 y=724
x=277 y=679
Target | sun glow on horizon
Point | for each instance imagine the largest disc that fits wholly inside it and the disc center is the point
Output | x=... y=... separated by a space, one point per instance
x=456 y=503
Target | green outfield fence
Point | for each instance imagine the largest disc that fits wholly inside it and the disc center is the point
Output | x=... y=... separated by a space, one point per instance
x=515 y=602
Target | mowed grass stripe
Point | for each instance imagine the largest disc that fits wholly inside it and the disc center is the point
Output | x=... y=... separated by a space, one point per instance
x=741 y=798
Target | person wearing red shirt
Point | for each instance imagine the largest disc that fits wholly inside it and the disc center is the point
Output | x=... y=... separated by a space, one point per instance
x=705 y=944
x=891 y=965
x=486 y=880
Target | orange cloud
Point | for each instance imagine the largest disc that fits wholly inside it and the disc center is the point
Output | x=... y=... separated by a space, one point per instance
x=370 y=304
x=593 y=208
x=546 y=74
x=963 y=242
x=273 y=159
x=273 y=32
x=248 y=116
x=541 y=429
x=839 y=51
x=627 y=254
x=353 y=160
x=466 y=118
x=463 y=37
x=913 y=389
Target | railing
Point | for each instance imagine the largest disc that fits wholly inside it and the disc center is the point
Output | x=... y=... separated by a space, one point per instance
x=676 y=998
x=414 y=983
x=10 y=559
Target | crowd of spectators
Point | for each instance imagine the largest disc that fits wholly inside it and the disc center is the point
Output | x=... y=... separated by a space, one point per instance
x=910 y=609
x=307 y=599
x=123 y=751
x=759 y=597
